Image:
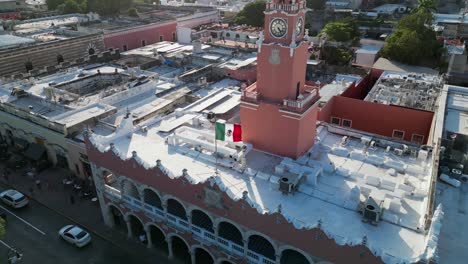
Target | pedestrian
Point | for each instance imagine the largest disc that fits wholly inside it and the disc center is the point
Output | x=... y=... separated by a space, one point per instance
x=5 y=174
x=72 y=199
x=31 y=191
x=38 y=184
x=142 y=238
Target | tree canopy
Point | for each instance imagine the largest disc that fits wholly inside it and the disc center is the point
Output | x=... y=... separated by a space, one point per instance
x=133 y=12
x=316 y=4
x=344 y=30
x=103 y=7
x=252 y=14
x=70 y=6
x=2 y=228
x=426 y=6
x=336 y=56
x=413 y=40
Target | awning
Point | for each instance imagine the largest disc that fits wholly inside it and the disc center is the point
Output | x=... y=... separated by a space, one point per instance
x=21 y=142
x=35 y=152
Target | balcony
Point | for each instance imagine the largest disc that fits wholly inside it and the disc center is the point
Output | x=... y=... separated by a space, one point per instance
x=178 y=223
x=250 y=94
x=290 y=8
x=304 y=100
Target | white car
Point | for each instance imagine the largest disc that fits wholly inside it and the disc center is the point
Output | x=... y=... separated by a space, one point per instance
x=75 y=235
x=14 y=198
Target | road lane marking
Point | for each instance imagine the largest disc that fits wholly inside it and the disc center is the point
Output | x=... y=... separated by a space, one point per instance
x=24 y=221
x=5 y=244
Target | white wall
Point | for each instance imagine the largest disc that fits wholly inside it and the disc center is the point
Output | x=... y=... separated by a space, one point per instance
x=184 y=35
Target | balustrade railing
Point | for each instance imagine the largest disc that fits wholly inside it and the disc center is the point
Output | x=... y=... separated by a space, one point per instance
x=310 y=95
x=183 y=225
x=250 y=96
x=285 y=7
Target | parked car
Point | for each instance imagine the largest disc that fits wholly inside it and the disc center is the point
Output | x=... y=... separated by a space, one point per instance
x=75 y=235
x=14 y=198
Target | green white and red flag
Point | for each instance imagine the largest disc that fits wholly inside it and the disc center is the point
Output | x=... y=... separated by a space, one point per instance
x=228 y=132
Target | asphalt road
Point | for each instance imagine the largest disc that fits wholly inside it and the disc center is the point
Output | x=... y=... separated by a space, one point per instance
x=33 y=232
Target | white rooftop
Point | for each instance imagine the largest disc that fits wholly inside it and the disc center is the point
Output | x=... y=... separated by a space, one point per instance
x=388 y=8
x=456 y=110
x=7 y=41
x=48 y=22
x=337 y=86
x=450 y=18
x=338 y=177
x=161 y=47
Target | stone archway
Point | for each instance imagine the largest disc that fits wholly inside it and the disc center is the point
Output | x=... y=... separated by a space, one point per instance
x=262 y=246
x=293 y=256
x=152 y=198
x=130 y=189
x=180 y=250
x=202 y=220
x=136 y=226
x=202 y=256
x=174 y=207
x=230 y=232
x=118 y=219
x=158 y=238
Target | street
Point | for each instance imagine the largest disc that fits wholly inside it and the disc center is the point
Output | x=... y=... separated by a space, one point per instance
x=33 y=232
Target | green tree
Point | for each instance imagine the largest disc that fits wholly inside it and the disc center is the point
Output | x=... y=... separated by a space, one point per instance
x=413 y=40
x=52 y=4
x=251 y=14
x=336 y=56
x=70 y=6
x=133 y=12
x=2 y=227
x=344 y=30
x=426 y=6
x=109 y=7
x=316 y=4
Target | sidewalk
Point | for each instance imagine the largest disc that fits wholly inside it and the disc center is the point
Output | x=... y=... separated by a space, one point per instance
x=55 y=196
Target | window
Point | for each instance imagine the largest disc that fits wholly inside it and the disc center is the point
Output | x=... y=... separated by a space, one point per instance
x=125 y=48
x=173 y=36
x=228 y=35
x=418 y=139
x=347 y=123
x=161 y=38
x=336 y=121
x=143 y=43
x=398 y=134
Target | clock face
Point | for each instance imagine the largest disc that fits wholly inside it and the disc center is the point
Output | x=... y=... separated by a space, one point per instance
x=278 y=27
x=299 y=25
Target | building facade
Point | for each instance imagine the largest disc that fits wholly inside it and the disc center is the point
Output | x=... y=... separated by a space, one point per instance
x=204 y=201
x=140 y=36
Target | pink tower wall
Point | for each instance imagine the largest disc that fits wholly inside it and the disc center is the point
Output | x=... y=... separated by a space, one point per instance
x=277 y=132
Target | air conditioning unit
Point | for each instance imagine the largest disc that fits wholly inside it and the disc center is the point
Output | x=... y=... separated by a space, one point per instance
x=289 y=182
x=372 y=211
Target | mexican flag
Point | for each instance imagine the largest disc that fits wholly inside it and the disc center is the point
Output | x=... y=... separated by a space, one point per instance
x=228 y=132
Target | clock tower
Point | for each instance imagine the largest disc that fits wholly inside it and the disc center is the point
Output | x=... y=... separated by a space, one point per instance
x=279 y=111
